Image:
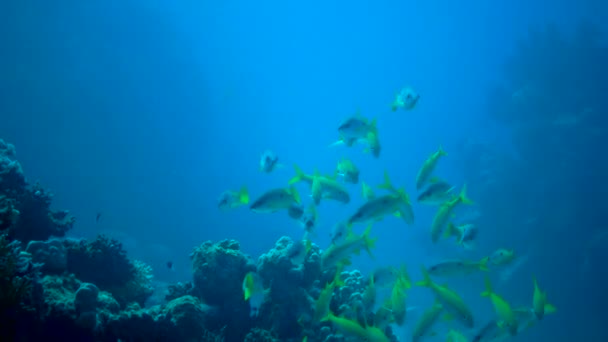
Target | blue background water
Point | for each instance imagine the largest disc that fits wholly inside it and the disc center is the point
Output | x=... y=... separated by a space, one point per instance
x=148 y=110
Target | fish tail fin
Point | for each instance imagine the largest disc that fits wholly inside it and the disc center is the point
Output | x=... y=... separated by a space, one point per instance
x=387 y=185
x=369 y=243
x=248 y=285
x=550 y=308
x=488 y=290
x=243 y=195
x=463 y=196
x=483 y=264
x=299 y=175
x=296 y=196
x=404 y=278
x=441 y=152
x=330 y=315
x=374 y=126
x=426 y=277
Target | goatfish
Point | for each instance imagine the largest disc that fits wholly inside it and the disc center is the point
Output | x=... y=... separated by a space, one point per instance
x=428 y=167
x=494 y=332
x=502 y=308
x=502 y=257
x=276 y=200
x=437 y=193
x=540 y=303
x=348 y=171
x=355 y=128
x=322 y=303
x=354 y=329
x=352 y=245
x=373 y=144
x=426 y=322
x=395 y=203
x=231 y=199
x=465 y=234
x=253 y=291
x=321 y=186
x=450 y=300
x=445 y=212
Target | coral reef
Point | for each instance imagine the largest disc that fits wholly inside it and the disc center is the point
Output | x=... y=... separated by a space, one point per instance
x=90 y=290
x=50 y=254
x=127 y=280
x=18 y=290
x=25 y=210
x=288 y=284
x=218 y=272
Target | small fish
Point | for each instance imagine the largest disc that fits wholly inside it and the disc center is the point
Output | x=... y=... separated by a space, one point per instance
x=322 y=303
x=170 y=265
x=437 y=193
x=354 y=329
x=355 y=128
x=322 y=187
x=494 y=332
x=353 y=244
x=253 y=291
x=458 y=267
x=450 y=300
x=502 y=308
x=232 y=199
x=540 y=303
x=465 y=234
x=348 y=171
x=373 y=144
x=502 y=257
x=426 y=322
x=269 y=161
x=276 y=200
x=396 y=203
x=98 y=216
x=398 y=299
x=384 y=276
x=339 y=233
x=383 y=317
x=445 y=212
x=428 y=167
x=406 y=98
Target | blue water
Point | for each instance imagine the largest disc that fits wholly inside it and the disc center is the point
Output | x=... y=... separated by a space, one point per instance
x=148 y=110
